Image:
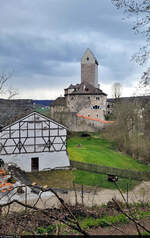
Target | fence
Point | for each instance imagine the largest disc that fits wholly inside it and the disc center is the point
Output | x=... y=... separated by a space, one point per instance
x=124 y=173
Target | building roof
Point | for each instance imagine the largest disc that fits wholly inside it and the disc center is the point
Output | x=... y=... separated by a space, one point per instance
x=35 y=114
x=85 y=88
x=89 y=52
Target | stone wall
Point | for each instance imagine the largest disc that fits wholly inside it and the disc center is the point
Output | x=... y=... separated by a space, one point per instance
x=65 y=110
x=84 y=105
x=74 y=123
x=89 y=74
x=11 y=110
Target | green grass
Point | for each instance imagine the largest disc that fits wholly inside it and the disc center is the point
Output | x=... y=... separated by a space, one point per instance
x=100 y=180
x=99 y=151
x=90 y=222
x=54 y=180
x=94 y=150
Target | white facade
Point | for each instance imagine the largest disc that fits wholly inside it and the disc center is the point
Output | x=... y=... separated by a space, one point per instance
x=34 y=142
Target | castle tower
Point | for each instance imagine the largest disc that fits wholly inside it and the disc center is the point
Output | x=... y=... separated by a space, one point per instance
x=89 y=68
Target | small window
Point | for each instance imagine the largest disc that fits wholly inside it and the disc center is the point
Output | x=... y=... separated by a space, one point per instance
x=89 y=98
x=97 y=115
x=87 y=58
x=86 y=89
x=88 y=115
x=95 y=107
x=97 y=98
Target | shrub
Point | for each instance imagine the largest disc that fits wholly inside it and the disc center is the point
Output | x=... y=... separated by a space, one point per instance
x=103 y=222
x=46 y=230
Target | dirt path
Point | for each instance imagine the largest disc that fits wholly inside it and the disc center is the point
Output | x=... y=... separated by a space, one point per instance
x=101 y=196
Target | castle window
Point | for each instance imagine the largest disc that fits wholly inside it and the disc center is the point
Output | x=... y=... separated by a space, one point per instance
x=97 y=115
x=86 y=89
x=89 y=98
x=97 y=98
x=87 y=58
x=95 y=107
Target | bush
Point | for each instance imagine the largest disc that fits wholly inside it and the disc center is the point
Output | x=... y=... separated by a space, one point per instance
x=103 y=222
x=46 y=230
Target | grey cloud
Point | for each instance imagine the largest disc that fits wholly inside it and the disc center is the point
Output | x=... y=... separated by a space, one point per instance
x=46 y=39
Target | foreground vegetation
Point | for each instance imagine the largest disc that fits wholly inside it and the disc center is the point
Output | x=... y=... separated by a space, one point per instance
x=99 y=220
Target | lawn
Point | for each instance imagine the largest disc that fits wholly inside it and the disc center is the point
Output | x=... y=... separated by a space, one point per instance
x=64 y=179
x=100 y=180
x=96 y=150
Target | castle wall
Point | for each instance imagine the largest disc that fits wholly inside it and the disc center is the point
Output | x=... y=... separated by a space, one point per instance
x=87 y=105
x=74 y=123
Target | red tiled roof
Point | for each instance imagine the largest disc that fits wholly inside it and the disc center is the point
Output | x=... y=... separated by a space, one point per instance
x=95 y=119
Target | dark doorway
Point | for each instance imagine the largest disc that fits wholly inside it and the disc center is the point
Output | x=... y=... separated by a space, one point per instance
x=35 y=164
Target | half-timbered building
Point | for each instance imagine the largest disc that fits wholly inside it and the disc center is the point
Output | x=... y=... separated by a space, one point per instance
x=34 y=142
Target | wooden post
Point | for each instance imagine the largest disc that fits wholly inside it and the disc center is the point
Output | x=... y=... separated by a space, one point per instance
x=127 y=192
x=82 y=193
x=75 y=192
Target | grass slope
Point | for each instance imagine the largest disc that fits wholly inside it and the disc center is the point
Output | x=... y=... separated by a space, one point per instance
x=100 y=180
x=99 y=151
x=92 y=150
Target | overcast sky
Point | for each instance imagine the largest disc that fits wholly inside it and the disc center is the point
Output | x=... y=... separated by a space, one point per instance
x=42 y=42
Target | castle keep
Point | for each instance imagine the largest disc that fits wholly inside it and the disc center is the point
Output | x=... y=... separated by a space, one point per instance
x=85 y=99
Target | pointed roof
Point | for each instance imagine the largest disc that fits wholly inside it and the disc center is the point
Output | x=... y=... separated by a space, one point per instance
x=34 y=114
x=89 y=53
x=86 y=88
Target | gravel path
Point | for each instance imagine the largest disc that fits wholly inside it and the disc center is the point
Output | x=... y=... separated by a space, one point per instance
x=102 y=196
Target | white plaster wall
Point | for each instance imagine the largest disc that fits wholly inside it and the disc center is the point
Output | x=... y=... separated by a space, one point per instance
x=46 y=160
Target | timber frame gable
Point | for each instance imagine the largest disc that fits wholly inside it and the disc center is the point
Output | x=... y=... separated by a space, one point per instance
x=34 y=133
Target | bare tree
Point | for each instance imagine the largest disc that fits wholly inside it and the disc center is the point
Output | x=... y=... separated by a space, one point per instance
x=116 y=90
x=63 y=215
x=139 y=11
x=9 y=92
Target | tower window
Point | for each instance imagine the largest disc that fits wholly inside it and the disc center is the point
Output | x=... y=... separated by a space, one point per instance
x=97 y=98
x=87 y=58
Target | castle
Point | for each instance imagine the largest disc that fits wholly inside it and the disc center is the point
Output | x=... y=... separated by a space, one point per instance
x=84 y=100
